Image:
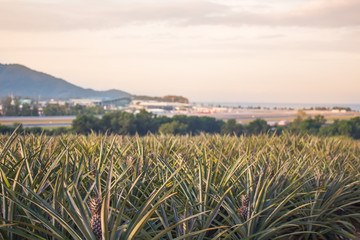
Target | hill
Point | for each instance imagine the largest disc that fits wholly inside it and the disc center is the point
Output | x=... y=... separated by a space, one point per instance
x=22 y=81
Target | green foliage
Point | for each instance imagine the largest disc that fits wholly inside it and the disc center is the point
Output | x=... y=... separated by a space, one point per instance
x=231 y=127
x=348 y=109
x=258 y=126
x=29 y=110
x=197 y=124
x=66 y=109
x=11 y=107
x=355 y=127
x=179 y=187
x=174 y=127
x=35 y=130
x=54 y=110
x=295 y=125
x=350 y=128
x=312 y=125
x=6 y=129
x=145 y=122
x=118 y=122
x=85 y=124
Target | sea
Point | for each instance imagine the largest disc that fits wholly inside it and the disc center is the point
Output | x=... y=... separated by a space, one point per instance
x=354 y=107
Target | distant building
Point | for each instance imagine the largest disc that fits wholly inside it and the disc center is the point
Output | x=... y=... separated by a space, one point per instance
x=25 y=101
x=117 y=103
x=272 y=123
x=85 y=102
x=282 y=123
x=157 y=107
x=52 y=101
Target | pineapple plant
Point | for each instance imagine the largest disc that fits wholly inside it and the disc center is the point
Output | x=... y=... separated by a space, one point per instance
x=207 y=174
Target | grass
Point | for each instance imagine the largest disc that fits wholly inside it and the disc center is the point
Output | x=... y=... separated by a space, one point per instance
x=180 y=187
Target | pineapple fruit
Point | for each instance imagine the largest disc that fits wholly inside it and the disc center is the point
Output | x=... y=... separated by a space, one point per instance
x=244 y=209
x=95 y=221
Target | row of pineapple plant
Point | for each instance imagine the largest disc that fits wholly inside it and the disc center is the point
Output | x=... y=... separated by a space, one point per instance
x=179 y=187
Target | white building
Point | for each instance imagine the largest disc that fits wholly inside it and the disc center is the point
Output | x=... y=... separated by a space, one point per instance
x=85 y=102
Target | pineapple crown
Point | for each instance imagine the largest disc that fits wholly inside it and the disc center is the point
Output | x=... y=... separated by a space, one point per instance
x=95 y=205
x=245 y=200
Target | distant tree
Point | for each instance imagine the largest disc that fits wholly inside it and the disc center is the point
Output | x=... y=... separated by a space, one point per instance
x=174 y=127
x=34 y=110
x=342 y=108
x=54 y=110
x=11 y=107
x=199 y=124
x=16 y=101
x=94 y=110
x=8 y=108
x=231 y=127
x=145 y=122
x=6 y=104
x=295 y=125
x=258 y=126
x=312 y=125
x=34 y=130
x=355 y=127
x=26 y=110
x=76 y=110
x=118 y=122
x=160 y=120
x=211 y=125
x=343 y=127
x=60 y=130
x=6 y=129
x=350 y=128
x=195 y=124
x=84 y=124
x=319 y=120
x=180 y=118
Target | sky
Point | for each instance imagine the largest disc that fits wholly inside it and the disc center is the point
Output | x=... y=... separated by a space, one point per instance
x=286 y=51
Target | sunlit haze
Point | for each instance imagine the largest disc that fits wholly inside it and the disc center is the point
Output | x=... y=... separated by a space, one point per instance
x=225 y=51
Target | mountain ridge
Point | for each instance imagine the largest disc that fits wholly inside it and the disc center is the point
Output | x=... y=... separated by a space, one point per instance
x=22 y=81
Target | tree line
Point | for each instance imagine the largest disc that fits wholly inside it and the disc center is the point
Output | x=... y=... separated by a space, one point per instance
x=144 y=122
x=69 y=110
x=13 y=107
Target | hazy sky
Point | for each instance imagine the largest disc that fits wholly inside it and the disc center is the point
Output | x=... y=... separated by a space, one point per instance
x=210 y=50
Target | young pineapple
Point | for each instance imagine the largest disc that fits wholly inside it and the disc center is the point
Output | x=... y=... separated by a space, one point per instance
x=244 y=209
x=95 y=221
x=245 y=200
x=130 y=161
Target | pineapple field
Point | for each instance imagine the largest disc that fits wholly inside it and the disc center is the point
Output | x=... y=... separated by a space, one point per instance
x=179 y=187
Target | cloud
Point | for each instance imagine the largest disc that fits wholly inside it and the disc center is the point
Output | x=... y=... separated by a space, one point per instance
x=271 y=36
x=42 y=16
x=21 y=15
x=331 y=13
